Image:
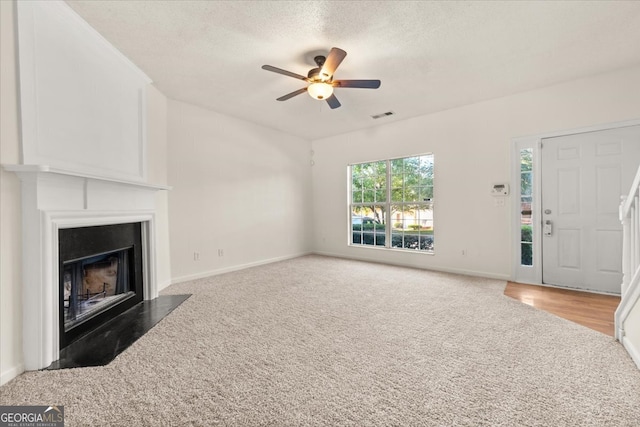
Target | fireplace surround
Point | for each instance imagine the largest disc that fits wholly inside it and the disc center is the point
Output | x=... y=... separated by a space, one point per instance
x=54 y=200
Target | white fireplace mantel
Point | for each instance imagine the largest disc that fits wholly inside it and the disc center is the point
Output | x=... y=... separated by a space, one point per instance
x=25 y=171
x=53 y=199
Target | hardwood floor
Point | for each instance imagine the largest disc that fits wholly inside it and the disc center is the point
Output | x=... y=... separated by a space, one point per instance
x=594 y=311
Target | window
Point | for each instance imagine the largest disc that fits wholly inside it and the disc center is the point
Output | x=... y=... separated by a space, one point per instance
x=526 y=199
x=392 y=203
x=525 y=231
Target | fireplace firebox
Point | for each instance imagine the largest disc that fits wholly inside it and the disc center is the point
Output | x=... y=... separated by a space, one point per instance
x=100 y=276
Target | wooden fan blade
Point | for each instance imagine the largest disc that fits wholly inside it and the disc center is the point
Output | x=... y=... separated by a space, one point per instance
x=334 y=59
x=284 y=72
x=292 y=94
x=363 y=84
x=333 y=102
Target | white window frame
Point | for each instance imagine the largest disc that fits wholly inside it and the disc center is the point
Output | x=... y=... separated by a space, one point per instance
x=526 y=273
x=387 y=206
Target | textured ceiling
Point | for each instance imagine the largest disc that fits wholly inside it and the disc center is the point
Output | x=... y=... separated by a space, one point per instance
x=430 y=55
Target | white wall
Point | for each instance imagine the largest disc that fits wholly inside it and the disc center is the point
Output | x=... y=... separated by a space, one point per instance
x=10 y=204
x=238 y=187
x=158 y=174
x=472 y=146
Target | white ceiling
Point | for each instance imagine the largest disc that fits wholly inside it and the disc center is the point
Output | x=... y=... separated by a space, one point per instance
x=430 y=55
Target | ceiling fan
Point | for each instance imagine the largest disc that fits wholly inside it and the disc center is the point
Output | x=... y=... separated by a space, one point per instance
x=321 y=81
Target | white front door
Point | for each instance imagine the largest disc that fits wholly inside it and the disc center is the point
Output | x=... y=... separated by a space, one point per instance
x=583 y=177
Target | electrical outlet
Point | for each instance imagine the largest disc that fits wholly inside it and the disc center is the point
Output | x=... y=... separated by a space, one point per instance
x=196 y=256
x=463 y=252
x=220 y=252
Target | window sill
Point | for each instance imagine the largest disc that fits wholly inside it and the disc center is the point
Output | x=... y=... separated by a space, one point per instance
x=385 y=249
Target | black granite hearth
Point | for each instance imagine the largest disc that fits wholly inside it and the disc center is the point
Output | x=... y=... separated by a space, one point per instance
x=103 y=344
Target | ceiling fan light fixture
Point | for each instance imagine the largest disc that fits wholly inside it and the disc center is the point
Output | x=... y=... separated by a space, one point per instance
x=320 y=90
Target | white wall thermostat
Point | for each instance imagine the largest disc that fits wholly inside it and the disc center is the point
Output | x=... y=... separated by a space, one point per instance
x=500 y=189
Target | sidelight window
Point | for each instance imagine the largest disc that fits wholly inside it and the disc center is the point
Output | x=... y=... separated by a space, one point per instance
x=526 y=200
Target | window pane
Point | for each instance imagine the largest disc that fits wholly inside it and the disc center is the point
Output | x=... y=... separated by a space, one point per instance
x=411 y=194
x=368 y=225
x=411 y=164
x=397 y=240
x=412 y=228
x=425 y=218
x=412 y=172
x=526 y=159
x=356 y=171
x=426 y=170
x=368 y=176
x=426 y=194
x=396 y=194
x=427 y=163
x=526 y=183
x=397 y=166
x=369 y=196
x=526 y=206
x=526 y=250
x=368 y=169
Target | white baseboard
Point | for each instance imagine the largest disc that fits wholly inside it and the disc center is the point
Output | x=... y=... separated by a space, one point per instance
x=219 y=271
x=633 y=351
x=11 y=373
x=485 y=274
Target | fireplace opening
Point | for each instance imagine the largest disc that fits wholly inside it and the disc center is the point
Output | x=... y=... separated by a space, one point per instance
x=93 y=284
x=100 y=276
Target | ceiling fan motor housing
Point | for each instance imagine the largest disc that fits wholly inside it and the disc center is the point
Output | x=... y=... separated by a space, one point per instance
x=313 y=74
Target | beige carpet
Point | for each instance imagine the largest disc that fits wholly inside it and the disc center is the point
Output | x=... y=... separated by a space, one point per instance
x=329 y=342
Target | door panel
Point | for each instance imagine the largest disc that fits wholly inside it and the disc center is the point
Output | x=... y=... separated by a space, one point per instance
x=608 y=189
x=569 y=187
x=583 y=177
x=609 y=250
x=569 y=248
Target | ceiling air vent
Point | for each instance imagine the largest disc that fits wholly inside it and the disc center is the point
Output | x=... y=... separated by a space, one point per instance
x=378 y=116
